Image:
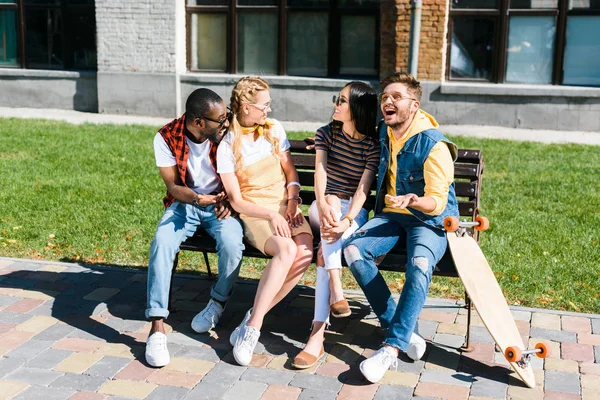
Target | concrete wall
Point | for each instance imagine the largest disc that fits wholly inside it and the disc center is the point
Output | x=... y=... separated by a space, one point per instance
x=65 y=90
x=137 y=60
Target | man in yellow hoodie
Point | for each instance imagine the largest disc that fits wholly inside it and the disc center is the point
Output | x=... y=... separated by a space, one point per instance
x=415 y=192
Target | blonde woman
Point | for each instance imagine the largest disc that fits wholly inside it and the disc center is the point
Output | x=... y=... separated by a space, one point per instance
x=346 y=163
x=261 y=181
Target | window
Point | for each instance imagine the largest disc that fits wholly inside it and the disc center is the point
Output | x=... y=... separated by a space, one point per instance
x=525 y=41
x=321 y=38
x=48 y=34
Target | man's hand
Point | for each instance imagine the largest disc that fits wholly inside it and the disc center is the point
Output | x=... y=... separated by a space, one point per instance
x=223 y=209
x=402 y=202
x=205 y=199
x=310 y=143
x=335 y=232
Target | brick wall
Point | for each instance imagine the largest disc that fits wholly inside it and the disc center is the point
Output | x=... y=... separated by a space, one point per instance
x=136 y=35
x=395 y=38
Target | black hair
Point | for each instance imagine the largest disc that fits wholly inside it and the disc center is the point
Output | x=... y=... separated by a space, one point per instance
x=199 y=103
x=363 y=107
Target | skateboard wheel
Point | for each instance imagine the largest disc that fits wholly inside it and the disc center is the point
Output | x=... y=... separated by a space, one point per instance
x=483 y=223
x=544 y=350
x=451 y=224
x=512 y=354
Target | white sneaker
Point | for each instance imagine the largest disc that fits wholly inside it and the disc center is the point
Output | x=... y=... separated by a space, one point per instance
x=245 y=344
x=234 y=335
x=416 y=347
x=207 y=318
x=374 y=367
x=157 y=354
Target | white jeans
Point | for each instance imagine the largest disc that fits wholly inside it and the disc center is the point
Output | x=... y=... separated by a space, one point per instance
x=332 y=254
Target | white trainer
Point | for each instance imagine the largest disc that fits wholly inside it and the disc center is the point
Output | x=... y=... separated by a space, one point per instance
x=374 y=367
x=207 y=318
x=416 y=347
x=245 y=344
x=157 y=353
x=234 y=335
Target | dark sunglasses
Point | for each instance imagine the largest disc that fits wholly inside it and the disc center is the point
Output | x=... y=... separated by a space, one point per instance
x=338 y=101
x=221 y=122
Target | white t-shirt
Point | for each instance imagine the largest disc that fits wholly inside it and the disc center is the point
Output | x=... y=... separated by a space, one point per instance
x=200 y=174
x=251 y=151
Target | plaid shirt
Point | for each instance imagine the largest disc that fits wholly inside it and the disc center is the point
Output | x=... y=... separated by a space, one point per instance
x=174 y=135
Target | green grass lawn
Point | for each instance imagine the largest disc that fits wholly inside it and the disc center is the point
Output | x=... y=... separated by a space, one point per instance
x=91 y=193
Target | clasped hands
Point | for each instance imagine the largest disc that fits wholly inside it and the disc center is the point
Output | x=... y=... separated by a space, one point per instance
x=222 y=207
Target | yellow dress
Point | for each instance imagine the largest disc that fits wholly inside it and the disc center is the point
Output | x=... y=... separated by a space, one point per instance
x=263 y=183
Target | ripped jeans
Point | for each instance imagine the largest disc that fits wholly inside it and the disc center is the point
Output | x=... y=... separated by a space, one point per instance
x=425 y=247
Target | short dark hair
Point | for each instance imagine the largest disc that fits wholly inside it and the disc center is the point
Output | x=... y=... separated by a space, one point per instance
x=413 y=85
x=363 y=107
x=199 y=103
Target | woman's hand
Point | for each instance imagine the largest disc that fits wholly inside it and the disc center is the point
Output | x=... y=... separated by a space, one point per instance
x=327 y=215
x=333 y=234
x=293 y=214
x=402 y=202
x=280 y=225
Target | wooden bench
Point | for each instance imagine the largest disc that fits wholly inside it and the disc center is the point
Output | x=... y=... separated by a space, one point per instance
x=468 y=170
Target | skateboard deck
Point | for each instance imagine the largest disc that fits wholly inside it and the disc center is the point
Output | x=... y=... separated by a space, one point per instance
x=485 y=293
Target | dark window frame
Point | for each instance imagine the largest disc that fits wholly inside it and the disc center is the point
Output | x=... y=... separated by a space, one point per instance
x=335 y=15
x=500 y=52
x=66 y=7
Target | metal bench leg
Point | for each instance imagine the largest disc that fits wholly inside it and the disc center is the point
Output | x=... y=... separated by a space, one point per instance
x=207 y=265
x=467 y=347
x=172 y=309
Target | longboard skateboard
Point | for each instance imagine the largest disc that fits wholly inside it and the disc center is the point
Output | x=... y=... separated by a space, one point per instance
x=485 y=293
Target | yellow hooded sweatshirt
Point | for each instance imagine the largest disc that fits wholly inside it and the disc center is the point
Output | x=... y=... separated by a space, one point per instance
x=438 y=168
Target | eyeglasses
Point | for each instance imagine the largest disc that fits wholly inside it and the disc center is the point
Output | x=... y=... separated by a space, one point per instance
x=221 y=122
x=262 y=107
x=338 y=100
x=395 y=96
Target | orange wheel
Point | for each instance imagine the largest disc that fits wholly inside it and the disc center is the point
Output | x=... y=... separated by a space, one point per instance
x=544 y=350
x=483 y=223
x=451 y=224
x=512 y=354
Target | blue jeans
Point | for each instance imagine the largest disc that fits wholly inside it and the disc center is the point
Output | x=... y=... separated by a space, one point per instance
x=179 y=222
x=425 y=246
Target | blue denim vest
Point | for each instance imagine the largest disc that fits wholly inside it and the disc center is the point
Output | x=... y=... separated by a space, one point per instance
x=410 y=173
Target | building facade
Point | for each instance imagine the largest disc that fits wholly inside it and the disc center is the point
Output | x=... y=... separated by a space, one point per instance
x=520 y=63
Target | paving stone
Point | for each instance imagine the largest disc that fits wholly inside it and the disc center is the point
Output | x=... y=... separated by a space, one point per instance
x=589 y=369
x=439 y=390
x=446 y=377
x=554 y=335
x=520 y=315
x=597 y=354
x=224 y=374
x=8 y=365
x=168 y=392
x=596 y=326
x=576 y=324
x=135 y=371
x=107 y=367
x=245 y=390
x=8 y=389
x=590 y=394
x=405 y=364
x=437 y=316
x=556 y=364
x=33 y=376
x=452 y=329
x=393 y=392
x=79 y=382
x=199 y=353
x=101 y=294
x=440 y=358
x=207 y=391
x=36 y=324
x=279 y=392
x=268 y=376
x=48 y=359
x=480 y=334
x=43 y=392
x=427 y=328
x=399 y=378
x=24 y=306
x=317 y=394
x=577 y=352
x=586 y=338
x=545 y=321
x=590 y=382
x=30 y=349
x=557 y=381
x=190 y=366
x=55 y=332
x=165 y=377
x=453 y=341
x=324 y=383
x=357 y=390
x=123 y=388
x=77 y=363
x=493 y=389
x=76 y=344
x=13 y=318
x=188 y=339
x=123 y=325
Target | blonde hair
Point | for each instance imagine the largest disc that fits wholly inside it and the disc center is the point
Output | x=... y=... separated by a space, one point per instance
x=244 y=92
x=413 y=85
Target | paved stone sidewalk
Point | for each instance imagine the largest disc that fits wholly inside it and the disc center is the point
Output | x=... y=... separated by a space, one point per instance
x=77 y=332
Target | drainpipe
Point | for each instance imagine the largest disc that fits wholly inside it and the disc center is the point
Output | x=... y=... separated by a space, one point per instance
x=415 y=36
